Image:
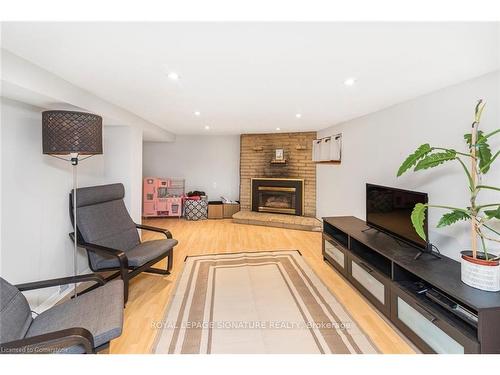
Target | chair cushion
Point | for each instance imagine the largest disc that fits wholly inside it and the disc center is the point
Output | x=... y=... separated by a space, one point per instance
x=108 y=224
x=15 y=313
x=142 y=253
x=88 y=196
x=103 y=219
x=100 y=311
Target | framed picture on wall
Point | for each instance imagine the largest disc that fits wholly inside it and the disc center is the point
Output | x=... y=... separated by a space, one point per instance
x=279 y=154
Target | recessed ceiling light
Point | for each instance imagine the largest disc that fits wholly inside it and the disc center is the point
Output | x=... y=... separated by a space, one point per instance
x=298 y=115
x=350 y=81
x=207 y=127
x=173 y=76
x=197 y=113
x=278 y=129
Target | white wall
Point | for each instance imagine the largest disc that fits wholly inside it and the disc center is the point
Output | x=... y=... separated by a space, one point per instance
x=208 y=163
x=35 y=187
x=375 y=145
x=122 y=160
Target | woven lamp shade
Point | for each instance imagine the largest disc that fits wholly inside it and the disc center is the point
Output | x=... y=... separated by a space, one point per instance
x=66 y=132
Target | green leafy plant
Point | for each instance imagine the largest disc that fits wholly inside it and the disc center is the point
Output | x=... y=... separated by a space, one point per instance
x=480 y=159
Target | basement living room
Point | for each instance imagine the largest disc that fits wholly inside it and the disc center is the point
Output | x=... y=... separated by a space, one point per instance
x=244 y=188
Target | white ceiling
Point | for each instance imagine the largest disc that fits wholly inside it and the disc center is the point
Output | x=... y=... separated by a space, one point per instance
x=254 y=77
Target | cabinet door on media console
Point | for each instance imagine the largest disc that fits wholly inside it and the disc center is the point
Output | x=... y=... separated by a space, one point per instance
x=372 y=284
x=335 y=254
x=425 y=328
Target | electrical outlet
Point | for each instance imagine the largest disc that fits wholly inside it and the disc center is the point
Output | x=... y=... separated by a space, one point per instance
x=214 y=185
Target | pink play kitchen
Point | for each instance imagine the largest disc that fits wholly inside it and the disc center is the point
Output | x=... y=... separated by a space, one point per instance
x=162 y=197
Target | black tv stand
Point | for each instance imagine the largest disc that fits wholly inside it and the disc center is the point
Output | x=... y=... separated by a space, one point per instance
x=387 y=273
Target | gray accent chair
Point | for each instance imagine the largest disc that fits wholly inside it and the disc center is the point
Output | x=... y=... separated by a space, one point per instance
x=85 y=324
x=108 y=233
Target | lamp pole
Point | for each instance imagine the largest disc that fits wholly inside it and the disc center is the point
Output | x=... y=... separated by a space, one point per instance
x=75 y=134
x=74 y=163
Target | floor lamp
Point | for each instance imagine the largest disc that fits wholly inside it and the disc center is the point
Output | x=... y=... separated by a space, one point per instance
x=72 y=136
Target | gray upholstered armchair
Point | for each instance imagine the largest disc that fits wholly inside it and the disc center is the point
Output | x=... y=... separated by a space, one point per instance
x=106 y=230
x=85 y=324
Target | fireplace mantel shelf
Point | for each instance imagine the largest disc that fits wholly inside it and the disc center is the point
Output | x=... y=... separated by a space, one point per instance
x=327 y=162
x=274 y=161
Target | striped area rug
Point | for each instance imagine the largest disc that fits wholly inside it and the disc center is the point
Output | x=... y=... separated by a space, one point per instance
x=265 y=302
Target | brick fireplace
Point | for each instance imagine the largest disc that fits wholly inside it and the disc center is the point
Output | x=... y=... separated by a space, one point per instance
x=257 y=152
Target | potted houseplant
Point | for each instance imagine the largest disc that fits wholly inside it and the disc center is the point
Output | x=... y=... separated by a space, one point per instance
x=480 y=267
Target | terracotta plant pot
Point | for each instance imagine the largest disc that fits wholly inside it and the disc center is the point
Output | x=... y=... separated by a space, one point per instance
x=480 y=273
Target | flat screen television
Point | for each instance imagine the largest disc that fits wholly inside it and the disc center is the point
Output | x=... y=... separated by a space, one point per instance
x=389 y=210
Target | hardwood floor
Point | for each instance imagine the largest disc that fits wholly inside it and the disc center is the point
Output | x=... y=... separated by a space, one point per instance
x=149 y=294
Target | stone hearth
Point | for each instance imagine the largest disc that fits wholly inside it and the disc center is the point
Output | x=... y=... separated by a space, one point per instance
x=278 y=220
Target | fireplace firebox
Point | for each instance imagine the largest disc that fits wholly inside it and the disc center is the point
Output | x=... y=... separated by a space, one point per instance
x=278 y=195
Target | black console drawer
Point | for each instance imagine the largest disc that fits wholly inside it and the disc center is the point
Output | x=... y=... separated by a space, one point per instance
x=427 y=327
x=371 y=283
x=335 y=253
